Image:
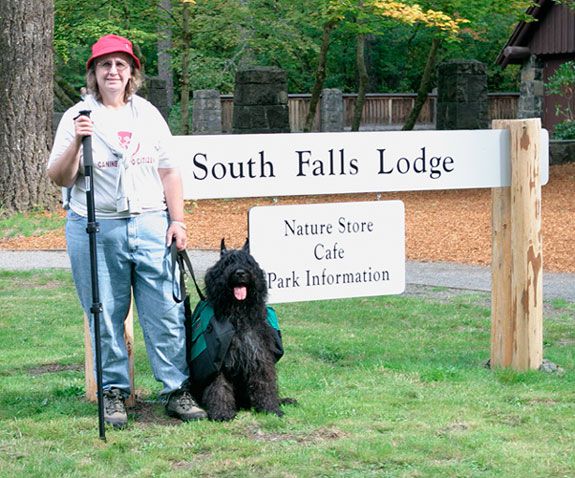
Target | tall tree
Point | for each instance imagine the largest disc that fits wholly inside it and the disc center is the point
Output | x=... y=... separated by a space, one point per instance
x=424 y=86
x=165 y=68
x=333 y=13
x=26 y=66
x=319 y=75
x=369 y=17
x=363 y=79
x=443 y=24
x=185 y=78
x=480 y=17
x=362 y=75
x=246 y=57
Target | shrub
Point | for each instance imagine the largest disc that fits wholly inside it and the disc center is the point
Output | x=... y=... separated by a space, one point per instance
x=565 y=130
x=562 y=82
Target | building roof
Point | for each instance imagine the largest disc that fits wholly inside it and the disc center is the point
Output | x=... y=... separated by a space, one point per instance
x=551 y=32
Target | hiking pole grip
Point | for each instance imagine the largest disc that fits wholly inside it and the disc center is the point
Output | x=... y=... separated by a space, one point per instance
x=92 y=228
x=87 y=144
x=89 y=177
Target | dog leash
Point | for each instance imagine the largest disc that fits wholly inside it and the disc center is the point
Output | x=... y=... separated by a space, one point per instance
x=182 y=259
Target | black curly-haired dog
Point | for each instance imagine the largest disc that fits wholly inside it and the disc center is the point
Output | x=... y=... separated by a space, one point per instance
x=237 y=291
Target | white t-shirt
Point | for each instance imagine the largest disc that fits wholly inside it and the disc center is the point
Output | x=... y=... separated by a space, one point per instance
x=136 y=138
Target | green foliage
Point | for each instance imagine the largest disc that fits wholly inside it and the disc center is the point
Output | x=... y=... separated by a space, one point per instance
x=396 y=55
x=213 y=44
x=224 y=33
x=386 y=387
x=78 y=25
x=175 y=118
x=568 y=3
x=491 y=23
x=562 y=83
x=564 y=130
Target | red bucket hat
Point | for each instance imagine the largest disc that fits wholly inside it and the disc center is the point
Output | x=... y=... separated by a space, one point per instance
x=112 y=44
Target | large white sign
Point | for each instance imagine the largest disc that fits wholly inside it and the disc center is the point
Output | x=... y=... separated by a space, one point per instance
x=264 y=165
x=328 y=251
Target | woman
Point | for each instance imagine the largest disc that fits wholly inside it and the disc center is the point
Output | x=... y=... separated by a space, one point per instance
x=140 y=211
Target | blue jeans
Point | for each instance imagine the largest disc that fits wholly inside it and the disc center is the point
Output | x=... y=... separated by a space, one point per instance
x=132 y=254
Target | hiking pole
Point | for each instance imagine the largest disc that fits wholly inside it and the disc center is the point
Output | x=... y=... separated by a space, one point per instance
x=92 y=228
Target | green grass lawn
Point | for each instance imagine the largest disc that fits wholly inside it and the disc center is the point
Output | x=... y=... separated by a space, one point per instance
x=386 y=387
x=29 y=224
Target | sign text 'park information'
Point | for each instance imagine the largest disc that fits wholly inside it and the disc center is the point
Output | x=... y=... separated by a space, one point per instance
x=328 y=251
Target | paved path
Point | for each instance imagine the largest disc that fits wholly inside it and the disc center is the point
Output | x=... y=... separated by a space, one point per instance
x=438 y=274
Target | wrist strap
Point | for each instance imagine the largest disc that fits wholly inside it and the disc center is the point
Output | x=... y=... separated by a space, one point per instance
x=181 y=224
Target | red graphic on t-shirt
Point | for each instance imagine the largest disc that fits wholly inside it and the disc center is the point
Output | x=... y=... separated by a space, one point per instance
x=125 y=137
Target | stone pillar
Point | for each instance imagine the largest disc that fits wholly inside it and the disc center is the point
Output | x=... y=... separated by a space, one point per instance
x=331 y=110
x=261 y=101
x=532 y=89
x=157 y=94
x=207 y=112
x=462 y=101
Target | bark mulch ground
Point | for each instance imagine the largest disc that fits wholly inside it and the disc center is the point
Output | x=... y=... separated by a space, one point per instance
x=450 y=226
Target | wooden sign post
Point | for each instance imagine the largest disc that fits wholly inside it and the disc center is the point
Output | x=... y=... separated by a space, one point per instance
x=517 y=266
x=90 y=378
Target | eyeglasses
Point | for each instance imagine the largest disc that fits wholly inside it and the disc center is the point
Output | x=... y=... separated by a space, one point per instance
x=108 y=64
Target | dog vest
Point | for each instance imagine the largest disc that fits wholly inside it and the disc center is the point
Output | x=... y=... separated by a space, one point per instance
x=209 y=340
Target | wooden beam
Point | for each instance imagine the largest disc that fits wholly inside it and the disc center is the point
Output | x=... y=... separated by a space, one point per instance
x=501 y=323
x=89 y=369
x=517 y=53
x=517 y=268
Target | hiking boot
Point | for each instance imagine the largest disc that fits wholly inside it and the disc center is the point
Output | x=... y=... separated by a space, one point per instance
x=114 y=408
x=181 y=405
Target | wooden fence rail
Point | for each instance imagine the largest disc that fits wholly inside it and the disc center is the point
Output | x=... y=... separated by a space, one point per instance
x=380 y=111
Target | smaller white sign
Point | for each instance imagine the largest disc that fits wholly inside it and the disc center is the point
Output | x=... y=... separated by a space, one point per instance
x=329 y=251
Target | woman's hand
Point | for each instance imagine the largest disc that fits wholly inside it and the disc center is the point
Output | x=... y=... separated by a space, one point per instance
x=65 y=169
x=172 y=182
x=83 y=127
x=177 y=232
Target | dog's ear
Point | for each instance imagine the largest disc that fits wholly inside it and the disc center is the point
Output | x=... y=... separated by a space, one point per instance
x=246 y=247
x=223 y=246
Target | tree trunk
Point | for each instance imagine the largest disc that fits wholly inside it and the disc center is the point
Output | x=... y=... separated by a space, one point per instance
x=424 y=86
x=363 y=79
x=165 y=70
x=247 y=58
x=319 y=76
x=26 y=104
x=185 y=80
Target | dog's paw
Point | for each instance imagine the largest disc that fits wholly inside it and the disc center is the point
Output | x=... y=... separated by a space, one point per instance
x=221 y=413
x=221 y=416
x=288 y=401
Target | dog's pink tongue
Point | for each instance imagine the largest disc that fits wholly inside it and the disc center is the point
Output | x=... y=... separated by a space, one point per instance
x=240 y=292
